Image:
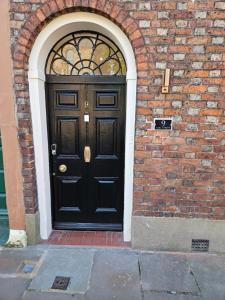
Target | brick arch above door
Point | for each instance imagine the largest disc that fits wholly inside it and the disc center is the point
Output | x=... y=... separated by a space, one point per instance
x=53 y=8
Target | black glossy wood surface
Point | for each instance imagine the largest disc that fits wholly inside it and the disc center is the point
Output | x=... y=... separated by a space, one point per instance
x=89 y=195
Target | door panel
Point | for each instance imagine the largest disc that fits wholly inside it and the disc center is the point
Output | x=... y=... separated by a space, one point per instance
x=106 y=137
x=67 y=99
x=106 y=100
x=107 y=192
x=68 y=132
x=88 y=195
x=70 y=194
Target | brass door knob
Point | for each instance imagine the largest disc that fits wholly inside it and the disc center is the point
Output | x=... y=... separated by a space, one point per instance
x=62 y=168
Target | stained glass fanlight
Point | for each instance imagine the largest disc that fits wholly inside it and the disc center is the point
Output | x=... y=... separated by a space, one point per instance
x=85 y=53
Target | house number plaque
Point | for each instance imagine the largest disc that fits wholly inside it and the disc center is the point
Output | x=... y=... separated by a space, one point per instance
x=163 y=124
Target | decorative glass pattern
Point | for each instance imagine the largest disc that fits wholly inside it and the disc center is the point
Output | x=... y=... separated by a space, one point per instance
x=85 y=53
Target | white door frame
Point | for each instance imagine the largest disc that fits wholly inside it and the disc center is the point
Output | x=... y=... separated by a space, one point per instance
x=53 y=32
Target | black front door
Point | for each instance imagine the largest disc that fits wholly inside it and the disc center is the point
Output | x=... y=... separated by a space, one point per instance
x=87 y=138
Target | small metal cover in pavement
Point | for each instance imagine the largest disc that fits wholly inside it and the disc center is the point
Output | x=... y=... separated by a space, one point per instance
x=61 y=283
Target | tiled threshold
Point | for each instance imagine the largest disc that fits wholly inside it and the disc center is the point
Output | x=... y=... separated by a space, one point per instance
x=87 y=238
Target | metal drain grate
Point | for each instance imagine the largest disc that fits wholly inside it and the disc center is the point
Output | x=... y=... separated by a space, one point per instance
x=61 y=283
x=200 y=245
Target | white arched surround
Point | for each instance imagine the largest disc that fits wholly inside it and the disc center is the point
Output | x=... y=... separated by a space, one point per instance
x=54 y=31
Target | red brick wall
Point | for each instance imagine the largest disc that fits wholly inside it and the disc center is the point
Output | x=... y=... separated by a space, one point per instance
x=179 y=172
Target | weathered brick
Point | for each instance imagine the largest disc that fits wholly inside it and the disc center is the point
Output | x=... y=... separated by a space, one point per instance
x=198 y=49
x=100 y=4
x=211 y=119
x=192 y=126
x=214 y=73
x=144 y=24
x=200 y=14
x=181 y=6
x=178 y=73
x=193 y=111
x=144 y=6
x=216 y=57
x=220 y=5
x=219 y=23
x=181 y=23
x=60 y=4
x=163 y=15
x=213 y=89
x=200 y=31
x=177 y=104
x=218 y=40
x=162 y=31
x=161 y=65
x=211 y=104
x=179 y=56
x=197 y=65
x=206 y=163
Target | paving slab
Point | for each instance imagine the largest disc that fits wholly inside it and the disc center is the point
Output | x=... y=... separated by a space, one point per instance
x=167 y=273
x=209 y=271
x=30 y=295
x=12 y=288
x=75 y=264
x=115 y=276
x=12 y=259
x=166 y=296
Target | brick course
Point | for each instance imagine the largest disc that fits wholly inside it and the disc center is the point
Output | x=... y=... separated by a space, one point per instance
x=177 y=173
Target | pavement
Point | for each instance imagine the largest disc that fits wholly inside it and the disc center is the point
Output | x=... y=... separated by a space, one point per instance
x=109 y=274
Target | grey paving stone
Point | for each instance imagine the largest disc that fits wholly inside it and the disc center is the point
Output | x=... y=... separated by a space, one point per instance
x=11 y=259
x=164 y=272
x=73 y=263
x=50 y=296
x=12 y=288
x=115 y=275
x=209 y=271
x=166 y=296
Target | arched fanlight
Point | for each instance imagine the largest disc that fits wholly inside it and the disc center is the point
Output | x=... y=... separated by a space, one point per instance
x=85 y=53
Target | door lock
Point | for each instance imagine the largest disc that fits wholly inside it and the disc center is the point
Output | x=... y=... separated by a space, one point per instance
x=62 y=168
x=53 y=149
